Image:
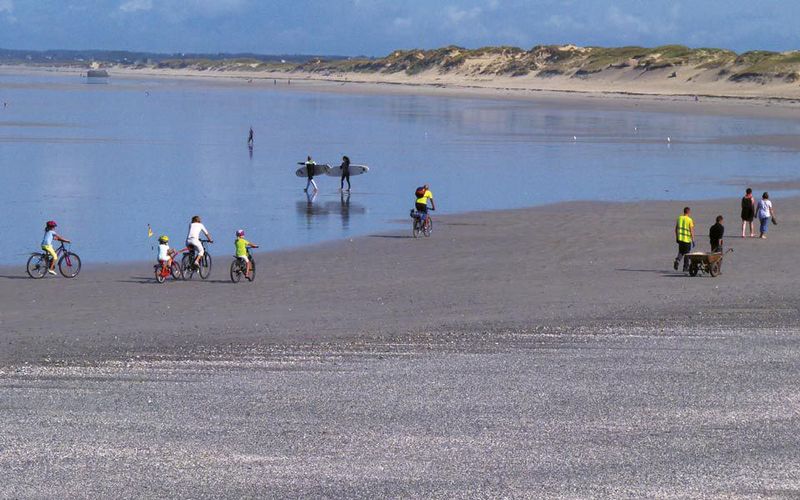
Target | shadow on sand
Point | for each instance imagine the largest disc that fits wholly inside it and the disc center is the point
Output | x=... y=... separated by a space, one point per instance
x=391 y=236
x=663 y=273
x=15 y=277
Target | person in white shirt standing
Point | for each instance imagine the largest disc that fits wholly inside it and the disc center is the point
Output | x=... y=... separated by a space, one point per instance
x=765 y=213
x=196 y=228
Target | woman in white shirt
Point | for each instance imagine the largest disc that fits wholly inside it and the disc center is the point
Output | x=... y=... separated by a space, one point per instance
x=765 y=213
x=196 y=228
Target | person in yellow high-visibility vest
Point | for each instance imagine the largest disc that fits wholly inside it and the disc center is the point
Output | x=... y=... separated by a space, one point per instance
x=684 y=236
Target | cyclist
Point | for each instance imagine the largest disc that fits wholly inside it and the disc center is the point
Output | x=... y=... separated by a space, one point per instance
x=165 y=253
x=47 y=243
x=423 y=194
x=196 y=228
x=241 y=250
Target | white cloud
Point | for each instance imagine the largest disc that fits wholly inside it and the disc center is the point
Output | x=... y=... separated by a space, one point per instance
x=456 y=15
x=136 y=5
x=210 y=7
x=7 y=11
x=561 y=22
x=626 y=21
x=402 y=23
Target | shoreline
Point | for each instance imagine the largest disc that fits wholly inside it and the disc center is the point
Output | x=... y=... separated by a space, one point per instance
x=755 y=105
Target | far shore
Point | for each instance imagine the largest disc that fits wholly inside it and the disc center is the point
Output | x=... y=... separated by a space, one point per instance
x=745 y=100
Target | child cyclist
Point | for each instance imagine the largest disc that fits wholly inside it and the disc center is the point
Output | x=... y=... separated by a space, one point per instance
x=47 y=244
x=165 y=253
x=241 y=250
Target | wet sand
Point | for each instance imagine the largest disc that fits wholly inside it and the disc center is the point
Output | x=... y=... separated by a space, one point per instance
x=539 y=352
x=559 y=265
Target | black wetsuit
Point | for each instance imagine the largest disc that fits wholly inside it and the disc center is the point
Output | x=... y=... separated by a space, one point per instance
x=345 y=173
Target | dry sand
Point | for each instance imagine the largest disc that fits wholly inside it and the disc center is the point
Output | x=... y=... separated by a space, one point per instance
x=740 y=99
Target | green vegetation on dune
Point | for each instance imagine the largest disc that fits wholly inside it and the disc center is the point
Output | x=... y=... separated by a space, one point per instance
x=553 y=60
x=544 y=61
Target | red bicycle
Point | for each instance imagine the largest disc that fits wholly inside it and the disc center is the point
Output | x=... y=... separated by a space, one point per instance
x=174 y=269
x=69 y=264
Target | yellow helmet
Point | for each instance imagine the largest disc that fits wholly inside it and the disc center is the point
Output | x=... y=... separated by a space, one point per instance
x=163 y=238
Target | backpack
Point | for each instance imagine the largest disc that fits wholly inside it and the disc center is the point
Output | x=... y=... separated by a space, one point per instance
x=420 y=192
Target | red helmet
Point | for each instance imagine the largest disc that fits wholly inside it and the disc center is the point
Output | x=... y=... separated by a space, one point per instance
x=51 y=223
x=240 y=232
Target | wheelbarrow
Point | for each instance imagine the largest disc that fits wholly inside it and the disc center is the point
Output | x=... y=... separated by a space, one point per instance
x=706 y=263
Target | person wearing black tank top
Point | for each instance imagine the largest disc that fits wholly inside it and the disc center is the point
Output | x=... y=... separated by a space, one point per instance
x=748 y=212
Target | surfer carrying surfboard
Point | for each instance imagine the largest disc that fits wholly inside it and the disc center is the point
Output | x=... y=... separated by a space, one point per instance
x=310 y=164
x=345 y=166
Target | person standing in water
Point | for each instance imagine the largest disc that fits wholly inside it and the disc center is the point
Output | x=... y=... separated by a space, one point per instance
x=345 y=173
x=250 y=138
x=310 y=165
x=748 y=212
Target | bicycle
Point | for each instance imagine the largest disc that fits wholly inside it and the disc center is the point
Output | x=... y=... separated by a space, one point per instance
x=188 y=265
x=239 y=268
x=417 y=225
x=174 y=269
x=69 y=264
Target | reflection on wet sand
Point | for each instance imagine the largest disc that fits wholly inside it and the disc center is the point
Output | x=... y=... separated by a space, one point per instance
x=312 y=209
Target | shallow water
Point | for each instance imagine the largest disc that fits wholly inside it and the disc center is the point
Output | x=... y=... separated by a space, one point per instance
x=107 y=160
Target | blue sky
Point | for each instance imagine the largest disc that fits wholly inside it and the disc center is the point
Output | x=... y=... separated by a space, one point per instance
x=376 y=27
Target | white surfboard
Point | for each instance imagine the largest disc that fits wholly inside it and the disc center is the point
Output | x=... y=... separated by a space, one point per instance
x=354 y=170
x=319 y=169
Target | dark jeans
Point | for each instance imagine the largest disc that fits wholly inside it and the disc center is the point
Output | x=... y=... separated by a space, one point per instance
x=683 y=249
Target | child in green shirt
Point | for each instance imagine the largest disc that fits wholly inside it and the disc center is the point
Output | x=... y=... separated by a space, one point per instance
x=241 y=250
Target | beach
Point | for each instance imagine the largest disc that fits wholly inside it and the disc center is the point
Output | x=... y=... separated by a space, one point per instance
x=549 y=351
x=727 y=99
x=562 y=265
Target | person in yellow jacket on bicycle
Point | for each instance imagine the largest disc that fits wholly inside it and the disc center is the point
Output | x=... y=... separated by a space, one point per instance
x=684 y=236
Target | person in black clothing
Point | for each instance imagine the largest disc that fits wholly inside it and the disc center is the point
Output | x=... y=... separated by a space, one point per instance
x=715 y=234
x=345 y=172
x=250 y=137
x=748 y=212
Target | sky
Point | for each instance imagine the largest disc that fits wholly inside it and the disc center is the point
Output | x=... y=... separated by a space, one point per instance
x=377 y=27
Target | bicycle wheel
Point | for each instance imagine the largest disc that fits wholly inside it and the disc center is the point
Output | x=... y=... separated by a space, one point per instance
x=252 y=276
x=205 y=266
x=159 y=277
x=415 y=228
x=188 y=266
x=69 y=265
x=37 y=266
x=236 y=271
x=428 y=227
x=176 y=270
